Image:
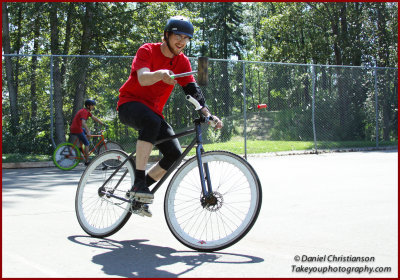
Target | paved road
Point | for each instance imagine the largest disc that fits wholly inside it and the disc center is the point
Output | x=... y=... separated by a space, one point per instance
x=326 y=209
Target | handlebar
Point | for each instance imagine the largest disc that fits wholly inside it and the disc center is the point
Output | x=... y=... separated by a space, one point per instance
x=194 y=102
x=100 y=133
x=197 y=106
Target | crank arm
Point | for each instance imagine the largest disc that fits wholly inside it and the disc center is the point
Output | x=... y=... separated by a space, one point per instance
x=137 y=199
x=115 y=196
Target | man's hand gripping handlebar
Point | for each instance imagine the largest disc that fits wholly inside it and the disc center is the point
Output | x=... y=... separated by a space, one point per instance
x=214 y=121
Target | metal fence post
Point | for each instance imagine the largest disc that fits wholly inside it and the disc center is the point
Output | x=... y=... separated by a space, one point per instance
x=376 y=108
x=244 y=110
x=51 y=102
x=313 y=106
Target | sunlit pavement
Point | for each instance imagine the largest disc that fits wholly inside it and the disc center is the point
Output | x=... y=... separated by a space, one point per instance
x=335 y=212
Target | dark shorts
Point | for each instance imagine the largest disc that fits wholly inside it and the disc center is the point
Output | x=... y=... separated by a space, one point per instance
x=82 y=137
x=151 y=127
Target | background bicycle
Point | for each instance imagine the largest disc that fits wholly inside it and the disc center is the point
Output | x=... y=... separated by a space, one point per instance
x=67 y=155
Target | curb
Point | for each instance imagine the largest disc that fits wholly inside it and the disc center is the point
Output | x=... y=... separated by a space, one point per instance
x=12 y=165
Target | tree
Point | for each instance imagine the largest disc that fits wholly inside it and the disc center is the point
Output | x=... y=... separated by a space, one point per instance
x=36 y=35
x=351 y=33
x=12 y=88
x=58 y=98
x=85 y=45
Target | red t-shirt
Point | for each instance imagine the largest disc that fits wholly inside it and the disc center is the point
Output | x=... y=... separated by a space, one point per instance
x=154 y=96
x=76 y=126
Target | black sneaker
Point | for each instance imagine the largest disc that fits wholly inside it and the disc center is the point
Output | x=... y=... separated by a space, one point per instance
x=146 y=211
x=140 y=190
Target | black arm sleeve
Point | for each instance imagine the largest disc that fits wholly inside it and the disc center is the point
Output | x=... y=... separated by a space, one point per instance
x=194 y=90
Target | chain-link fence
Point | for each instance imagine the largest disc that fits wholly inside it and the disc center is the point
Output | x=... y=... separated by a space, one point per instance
x=314 y=104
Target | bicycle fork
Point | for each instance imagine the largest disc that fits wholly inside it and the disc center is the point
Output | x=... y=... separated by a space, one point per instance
x=204 y=171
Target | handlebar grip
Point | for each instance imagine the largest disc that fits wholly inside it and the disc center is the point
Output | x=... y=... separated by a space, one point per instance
x=194 y=102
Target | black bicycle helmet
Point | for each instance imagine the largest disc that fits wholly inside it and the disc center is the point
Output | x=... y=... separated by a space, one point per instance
x=89 y=102
x=179 y=25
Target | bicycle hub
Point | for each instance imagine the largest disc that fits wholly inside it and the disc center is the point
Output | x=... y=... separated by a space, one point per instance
x=212 y=202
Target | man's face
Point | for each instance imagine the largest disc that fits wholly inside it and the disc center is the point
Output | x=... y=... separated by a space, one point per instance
x=178 y=42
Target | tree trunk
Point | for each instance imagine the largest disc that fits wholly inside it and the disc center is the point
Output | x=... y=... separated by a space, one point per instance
x=36 y=32
x=12 y=89
x=18 y=45
x=83 y=63
x=335 y=16
x=357 y=51
x=383 y=61
x=58 y=99
x=66 y=44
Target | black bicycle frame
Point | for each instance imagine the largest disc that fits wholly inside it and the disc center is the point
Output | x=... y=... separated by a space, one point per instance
x=203 y=168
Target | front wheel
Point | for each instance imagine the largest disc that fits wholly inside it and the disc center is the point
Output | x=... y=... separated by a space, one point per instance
x=98 y=213
x=66 y=156
x=224 y=217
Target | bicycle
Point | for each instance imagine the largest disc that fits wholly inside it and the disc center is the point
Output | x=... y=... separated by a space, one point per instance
x=67 y=155
x=211 y=202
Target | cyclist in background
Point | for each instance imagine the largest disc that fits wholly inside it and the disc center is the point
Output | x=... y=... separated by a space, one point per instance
x=143 y=96
x=79 y=126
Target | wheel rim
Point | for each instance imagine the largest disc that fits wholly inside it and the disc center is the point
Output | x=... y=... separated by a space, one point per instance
x=66 y=157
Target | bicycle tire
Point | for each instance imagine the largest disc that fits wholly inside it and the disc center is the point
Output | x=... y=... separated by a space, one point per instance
x=99 y=215
x=110 y=145
x=217 y=227
x=66 y=156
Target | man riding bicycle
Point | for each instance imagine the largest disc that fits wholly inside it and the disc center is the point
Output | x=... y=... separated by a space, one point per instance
x=79 y=126
x=143 y=96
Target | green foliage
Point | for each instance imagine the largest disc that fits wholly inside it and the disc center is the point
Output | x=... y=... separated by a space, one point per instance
x=293 y=125
x=353 y=33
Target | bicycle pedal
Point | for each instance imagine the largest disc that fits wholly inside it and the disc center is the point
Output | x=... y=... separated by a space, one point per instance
x=143 y=200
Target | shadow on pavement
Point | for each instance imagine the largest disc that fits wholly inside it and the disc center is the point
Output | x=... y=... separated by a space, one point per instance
x=134 y=258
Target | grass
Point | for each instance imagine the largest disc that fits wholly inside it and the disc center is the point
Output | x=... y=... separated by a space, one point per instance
x=259 y=147
x=237 y=147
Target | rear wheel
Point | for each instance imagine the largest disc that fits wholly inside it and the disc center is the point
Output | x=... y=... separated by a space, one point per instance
x=66 y=156
x=98 y=213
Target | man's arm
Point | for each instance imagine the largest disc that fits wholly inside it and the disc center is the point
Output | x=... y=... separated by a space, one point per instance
x=147 y=78
x=97 y=120
x=86 y=127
